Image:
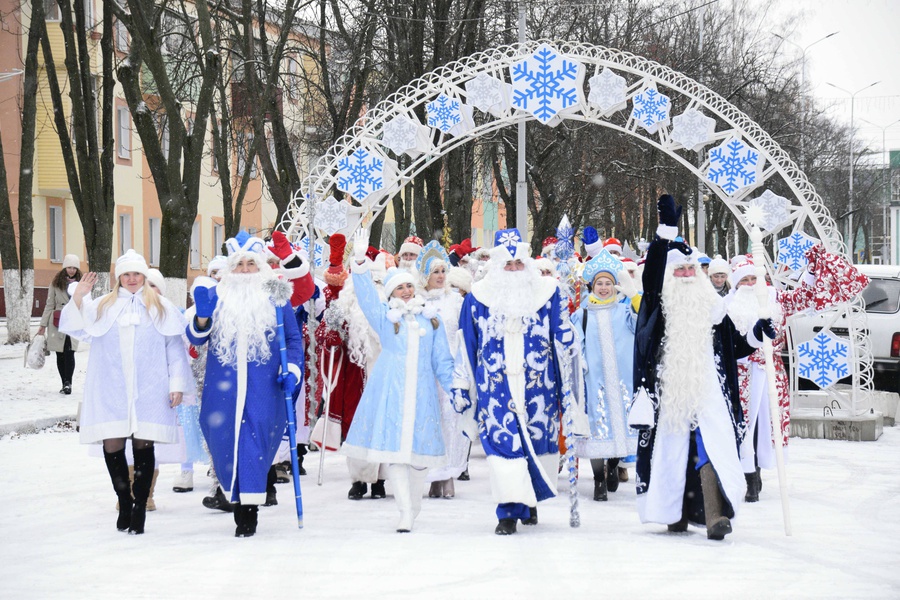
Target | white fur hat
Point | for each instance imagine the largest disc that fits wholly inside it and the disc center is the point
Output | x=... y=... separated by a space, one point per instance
x=742 y=269
x=155 y=277
x=71 y=260
x=131 y=262
x=216 y=264
x=719 y=265
x=460 y=278
x=395 y=278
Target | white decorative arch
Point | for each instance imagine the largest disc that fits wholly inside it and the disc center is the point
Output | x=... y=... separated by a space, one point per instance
x=545 y=81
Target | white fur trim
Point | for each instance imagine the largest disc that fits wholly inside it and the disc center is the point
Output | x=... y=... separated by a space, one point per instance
x=667 y=232
x=510 y=481
x=296 y=272
x=356 y=267
x=199 y=334
x=410 y=387
x=254 y=498
x=177 y=384
x=292 y=368
x=594 y=248
x=808 y=279
x=410 y=247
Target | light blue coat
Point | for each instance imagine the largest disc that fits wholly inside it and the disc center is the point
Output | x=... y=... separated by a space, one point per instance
x=398 y=419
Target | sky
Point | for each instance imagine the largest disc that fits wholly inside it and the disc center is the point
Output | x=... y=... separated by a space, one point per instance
x=866 y=49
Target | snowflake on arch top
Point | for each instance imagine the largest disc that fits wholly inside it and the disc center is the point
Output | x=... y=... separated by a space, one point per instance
x=362 y=173
x=773 y=210
x=792 y=250
x=608 y=91
x=692 y=129
x=331 y=215
x=824 y=360
x=449 y=115
x=734 y=165
x=650 y=108
x=404 y=135
x=547 y=84
x=488 y=94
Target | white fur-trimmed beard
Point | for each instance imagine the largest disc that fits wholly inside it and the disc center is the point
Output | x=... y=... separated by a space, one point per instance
x=742 y=307
x=511 y=293
x=359 y=333
x=407 y=265
x=688 y=365
x=244 y=314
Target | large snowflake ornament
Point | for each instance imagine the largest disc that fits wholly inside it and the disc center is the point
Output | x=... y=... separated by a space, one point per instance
x=792 y=250
x=824 y=360
x=547 y=84
x=608 y=91
x=331 y=215
x=564 y=234
x=650 y=108
x=404 y=135
x=733 y=166
x=488 y=94
x=449 y=115
x=362 y=173
x=318 y=257
x=692 y=129
x=775 y=210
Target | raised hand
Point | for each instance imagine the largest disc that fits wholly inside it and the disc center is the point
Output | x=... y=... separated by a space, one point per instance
x=626 y=285
x=281 y=246
x=205 y=300
x=84 y=287
x=669 y=213
x=360 y=244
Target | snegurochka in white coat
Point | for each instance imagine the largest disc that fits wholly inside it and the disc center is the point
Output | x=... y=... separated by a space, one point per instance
x=398 y=420
x=138 y=370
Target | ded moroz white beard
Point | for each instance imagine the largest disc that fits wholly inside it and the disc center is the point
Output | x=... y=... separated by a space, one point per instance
x=512 y=292
x=743 y=308
x=687 y=367
x=244 y=314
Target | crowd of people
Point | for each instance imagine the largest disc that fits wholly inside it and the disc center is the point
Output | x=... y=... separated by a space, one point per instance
x=402 y=362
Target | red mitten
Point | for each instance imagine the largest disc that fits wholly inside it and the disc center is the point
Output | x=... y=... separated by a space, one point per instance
x=281 y=247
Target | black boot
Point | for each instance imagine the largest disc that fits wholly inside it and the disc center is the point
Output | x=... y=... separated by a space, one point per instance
x=612 y=474
x=532 y=516
x=599 y=480
x=301 y=452
x=144 y=464
x=752 y=494
x=506 y=527
x=218 y=501
x=246 y=519
x=117 y=466
x=357 y=490
x=464 y=476
x=271 y=500
x=378 y=489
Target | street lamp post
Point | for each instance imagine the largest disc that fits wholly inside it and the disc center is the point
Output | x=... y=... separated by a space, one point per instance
x=850 y=237
x=803 y=51
x=884 y=188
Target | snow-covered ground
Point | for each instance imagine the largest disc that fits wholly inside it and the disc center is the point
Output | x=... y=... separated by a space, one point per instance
x=57 y=525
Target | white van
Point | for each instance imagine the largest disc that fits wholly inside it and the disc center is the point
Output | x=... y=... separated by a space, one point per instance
x=881 y=299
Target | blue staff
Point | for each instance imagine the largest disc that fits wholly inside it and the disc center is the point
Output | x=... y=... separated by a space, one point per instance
x=292 y=425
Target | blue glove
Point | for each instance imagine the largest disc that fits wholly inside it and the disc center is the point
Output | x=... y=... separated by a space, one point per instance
x=764 y=326
x=461 y=400
x=289 y=382
x=668 y=212
x=205 y=300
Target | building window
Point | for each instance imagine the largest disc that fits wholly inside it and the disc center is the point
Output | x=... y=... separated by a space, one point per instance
x=51 y=10
x=56 y=234
x=195 y=245
x=124 y=127
x=124 y=234
x=154 y=241
x=121 y=35
x=218 y=238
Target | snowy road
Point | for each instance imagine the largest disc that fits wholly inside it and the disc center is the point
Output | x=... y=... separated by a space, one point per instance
x=59 y=540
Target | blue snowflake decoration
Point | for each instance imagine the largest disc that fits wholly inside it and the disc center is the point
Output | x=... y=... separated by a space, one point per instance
x=509 y=238
x=650 y=108
x=443 y=113
x=733 y=165
x=361 y=173
x=824 y=359
x=792 y=250
x=318 y=259
x=546 y=83
x=564 y=234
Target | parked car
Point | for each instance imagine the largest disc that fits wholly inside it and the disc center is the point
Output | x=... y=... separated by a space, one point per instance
x=881 y=300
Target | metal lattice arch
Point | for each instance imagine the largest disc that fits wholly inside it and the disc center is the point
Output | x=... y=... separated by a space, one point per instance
x=803 y=212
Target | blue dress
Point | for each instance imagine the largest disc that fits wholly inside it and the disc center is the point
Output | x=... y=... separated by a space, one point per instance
x=606 y=337
x=398 y=419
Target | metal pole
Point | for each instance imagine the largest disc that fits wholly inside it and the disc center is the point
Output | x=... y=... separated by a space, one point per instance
x=885 y=190
x=521 y=185
x=701 y=205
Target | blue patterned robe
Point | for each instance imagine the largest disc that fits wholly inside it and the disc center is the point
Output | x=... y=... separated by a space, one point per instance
x=495 y=359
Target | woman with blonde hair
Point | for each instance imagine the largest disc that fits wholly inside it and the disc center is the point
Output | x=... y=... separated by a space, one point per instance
x=57 y=298
x=137 y=372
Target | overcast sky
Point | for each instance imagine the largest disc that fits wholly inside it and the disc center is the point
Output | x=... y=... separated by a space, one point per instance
x=866 y=49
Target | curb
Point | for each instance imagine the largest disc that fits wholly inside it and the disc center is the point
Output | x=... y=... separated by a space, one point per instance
x=27 y=427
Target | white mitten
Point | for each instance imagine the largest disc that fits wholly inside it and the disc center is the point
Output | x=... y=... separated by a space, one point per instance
x=626 y=285
x=360 y=244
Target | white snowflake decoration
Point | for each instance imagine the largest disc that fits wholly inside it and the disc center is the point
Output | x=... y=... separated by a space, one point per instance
x=650 y=108
x=488 y=94
x=792 y=250
x=318 y=259
x=608 y=91
x=824 y=359
x=733 y=166
x=362 y=173
x=331 y=215
x=775 y=210
x=692 y=129
x=404 y=135
x=547 y=84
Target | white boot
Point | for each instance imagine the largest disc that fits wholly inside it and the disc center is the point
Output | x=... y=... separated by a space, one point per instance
x=416 y=488
x=184 y=482
x=400 y=482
